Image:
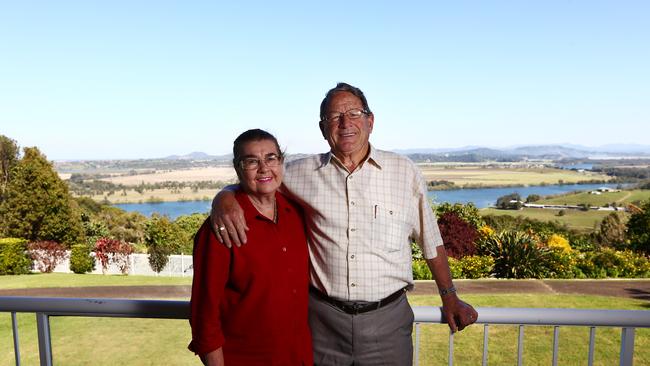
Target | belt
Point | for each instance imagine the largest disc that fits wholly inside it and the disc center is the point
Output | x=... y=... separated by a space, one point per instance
x=357 y=307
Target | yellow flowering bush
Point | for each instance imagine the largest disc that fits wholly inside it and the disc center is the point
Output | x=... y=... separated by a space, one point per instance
x=558 y=241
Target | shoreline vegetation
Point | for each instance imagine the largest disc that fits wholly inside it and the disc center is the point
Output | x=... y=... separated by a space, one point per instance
x=199 y=184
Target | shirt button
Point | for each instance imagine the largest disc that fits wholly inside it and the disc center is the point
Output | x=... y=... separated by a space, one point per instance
x=284 y=249
x=352 y=256
x=353 y=229
x=294 y=291
x=352 y=203
x=353 y=284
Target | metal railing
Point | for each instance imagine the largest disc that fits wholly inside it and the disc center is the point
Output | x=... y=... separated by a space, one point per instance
x=627 y=320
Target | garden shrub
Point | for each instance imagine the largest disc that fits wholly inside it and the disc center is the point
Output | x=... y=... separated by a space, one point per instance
x=14 y=259
x=586 y=268
x=560 y=263
x=559 y=242
x=476 y=266
x=80 y=259
x=421 y=270
x=516 y=255
x=46 y=255
x=110 y=251
x=455 y=268
x=457 y=235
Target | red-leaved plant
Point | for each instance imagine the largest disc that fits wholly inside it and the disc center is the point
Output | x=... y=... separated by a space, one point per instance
x=46 y=255
x=113 y=251
x=458 y=235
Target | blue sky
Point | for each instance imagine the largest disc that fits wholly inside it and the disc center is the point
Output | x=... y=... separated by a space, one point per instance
x=141 y=79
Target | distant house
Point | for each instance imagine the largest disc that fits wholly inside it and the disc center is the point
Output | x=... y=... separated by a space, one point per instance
x=607 y=189
x=594 y=192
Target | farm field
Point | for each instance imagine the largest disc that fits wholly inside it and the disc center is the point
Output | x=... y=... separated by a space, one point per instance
x=620 y=198
x=113 y=341
x=579 y=220
x=478 y=176
x=461 y=175
x=156 y=195
x=182 y=175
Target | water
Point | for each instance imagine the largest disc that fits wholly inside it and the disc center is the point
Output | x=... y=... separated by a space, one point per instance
x=483 y=197
x=171 y=209
x=583 y=166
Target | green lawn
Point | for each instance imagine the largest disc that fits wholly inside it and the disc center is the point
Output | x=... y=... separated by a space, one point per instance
x=575 y=219
x=620 y=198
x=84 y=280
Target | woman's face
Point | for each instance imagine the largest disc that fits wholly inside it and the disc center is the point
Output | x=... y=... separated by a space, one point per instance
x=266 y=178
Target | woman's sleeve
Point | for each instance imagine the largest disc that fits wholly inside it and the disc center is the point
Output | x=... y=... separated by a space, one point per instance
x=211 y=260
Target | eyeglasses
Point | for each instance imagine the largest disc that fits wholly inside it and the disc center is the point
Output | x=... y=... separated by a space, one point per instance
x=351 y=114
x=271 y=160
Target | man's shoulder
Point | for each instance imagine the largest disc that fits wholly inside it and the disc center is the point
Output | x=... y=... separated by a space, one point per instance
x=306 y=162
x=392 y=158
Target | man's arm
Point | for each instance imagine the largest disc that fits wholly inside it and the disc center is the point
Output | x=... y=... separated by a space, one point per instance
x=459 y=314
x=227 y=218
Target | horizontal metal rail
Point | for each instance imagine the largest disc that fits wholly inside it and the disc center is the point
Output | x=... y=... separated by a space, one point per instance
x=628 y=320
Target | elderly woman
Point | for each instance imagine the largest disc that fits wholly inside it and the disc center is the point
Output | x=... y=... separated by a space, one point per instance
x=249 y=303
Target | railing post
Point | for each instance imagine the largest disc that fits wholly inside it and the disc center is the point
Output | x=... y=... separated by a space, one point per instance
x=627 y=347
x=416 y=355
x=44 y=339
x=14 y=325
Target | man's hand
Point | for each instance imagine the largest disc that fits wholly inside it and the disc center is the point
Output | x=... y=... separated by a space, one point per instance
x=227 y=218
x=458 y=313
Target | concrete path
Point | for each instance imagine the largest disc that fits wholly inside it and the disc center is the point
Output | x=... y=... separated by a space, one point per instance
x=630 y=288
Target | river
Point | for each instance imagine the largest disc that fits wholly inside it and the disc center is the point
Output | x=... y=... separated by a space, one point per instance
x=481 y=197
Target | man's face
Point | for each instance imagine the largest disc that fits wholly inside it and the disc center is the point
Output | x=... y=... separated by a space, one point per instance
x=347 y=136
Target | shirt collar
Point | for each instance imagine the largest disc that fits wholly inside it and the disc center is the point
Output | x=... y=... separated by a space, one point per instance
x=250 y=212
x=374 y=158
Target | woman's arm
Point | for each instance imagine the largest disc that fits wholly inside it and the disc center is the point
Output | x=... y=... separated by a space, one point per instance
x=214 y=358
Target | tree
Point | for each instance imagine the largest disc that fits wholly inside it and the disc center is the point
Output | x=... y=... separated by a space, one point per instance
x=162 y=238
x=188 y=225
x=533 y=198
x=612 y=231
x=8 y=159
x=638 y=228
x=509 y=202
x=37 y=205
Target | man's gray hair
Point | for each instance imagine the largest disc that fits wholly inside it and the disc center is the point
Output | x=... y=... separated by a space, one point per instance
x=342 y=87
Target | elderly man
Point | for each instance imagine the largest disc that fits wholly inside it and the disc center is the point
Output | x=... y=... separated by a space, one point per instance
x=363 y=207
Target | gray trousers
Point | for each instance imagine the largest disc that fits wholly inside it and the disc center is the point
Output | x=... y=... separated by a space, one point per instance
x=378 y=337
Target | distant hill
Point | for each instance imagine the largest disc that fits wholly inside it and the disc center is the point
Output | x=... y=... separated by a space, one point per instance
x=519 y=153
x=469 y=154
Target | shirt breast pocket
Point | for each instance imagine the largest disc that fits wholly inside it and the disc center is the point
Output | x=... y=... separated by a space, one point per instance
x=389 y=228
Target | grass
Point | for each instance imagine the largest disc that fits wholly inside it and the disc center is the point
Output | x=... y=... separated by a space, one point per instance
x=85 y=280
x=620 y=198
x=111 y=341
x=579 y=220
x=477 y=176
